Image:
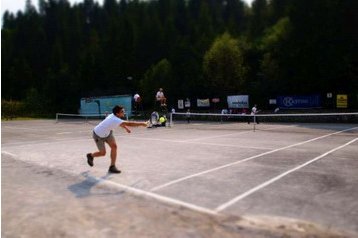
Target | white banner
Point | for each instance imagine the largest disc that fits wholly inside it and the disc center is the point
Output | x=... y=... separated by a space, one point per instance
x=187 y=102
x=238 y=101
x=181 y=104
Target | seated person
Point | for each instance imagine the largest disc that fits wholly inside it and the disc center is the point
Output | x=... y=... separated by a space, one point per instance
x=156 y=120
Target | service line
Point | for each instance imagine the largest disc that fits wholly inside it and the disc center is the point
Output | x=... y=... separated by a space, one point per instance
x=268 y=182
x=245 y=160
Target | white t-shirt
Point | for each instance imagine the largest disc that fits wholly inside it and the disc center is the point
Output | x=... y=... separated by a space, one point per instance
x=253 y=110
x=104 y=128
x=135 y=97
x=160 y=95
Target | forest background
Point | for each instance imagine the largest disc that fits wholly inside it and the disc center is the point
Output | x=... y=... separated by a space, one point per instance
x=56 y=53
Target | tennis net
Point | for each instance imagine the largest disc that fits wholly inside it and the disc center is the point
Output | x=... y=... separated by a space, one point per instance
x=260 y=121
x=79 y=118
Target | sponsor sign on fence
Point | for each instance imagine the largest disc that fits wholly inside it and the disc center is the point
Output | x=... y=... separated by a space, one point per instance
x=342 y=101
x=203 y=102
x=312 y=101
x=238 y=101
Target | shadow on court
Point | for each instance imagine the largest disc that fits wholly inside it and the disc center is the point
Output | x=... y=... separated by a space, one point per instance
x=84 y=188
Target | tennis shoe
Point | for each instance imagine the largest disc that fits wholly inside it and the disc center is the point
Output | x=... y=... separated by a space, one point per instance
x=113 y=169
x=90 y=159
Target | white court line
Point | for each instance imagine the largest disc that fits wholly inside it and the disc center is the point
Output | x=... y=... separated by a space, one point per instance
x=133 y=136
x=65 y=132
x=59 y=140
x=8 y=153
x=120 y=135
x=244 y=160
x=265 y=184
x=190 y=141
x=236 y=133
x=218 y=136
x=200 y=143
x=43 y=130
x=27 y=128
x=158 y=197
x=42 y=142
x=141 y=193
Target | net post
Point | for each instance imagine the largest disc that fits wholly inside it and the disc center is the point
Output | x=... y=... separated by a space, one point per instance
x=254 y=122
x=56 y=118
x=170 y=119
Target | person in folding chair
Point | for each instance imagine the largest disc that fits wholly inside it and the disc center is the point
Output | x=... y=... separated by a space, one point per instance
x=156 y=120
x=160 y=97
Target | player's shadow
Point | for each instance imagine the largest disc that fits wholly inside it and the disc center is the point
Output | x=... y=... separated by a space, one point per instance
x=84 y=188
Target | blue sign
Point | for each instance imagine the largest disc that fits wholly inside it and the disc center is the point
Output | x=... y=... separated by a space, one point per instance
x=299 y=102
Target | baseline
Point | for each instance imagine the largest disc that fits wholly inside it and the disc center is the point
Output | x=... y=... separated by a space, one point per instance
x=155 y=196
x=138 y=192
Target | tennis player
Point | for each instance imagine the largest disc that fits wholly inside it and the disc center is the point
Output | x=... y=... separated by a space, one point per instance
x=103 y=132
x=254 y=111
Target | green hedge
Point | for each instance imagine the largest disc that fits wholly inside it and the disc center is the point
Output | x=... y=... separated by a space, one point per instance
x=11 y=109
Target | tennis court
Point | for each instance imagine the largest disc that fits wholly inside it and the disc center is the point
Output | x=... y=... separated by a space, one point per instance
x=279 y=172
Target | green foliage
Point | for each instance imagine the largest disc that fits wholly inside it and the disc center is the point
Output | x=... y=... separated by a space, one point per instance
x=63 y=52
x=223 y=65
x=11 y=109
x=276 y=34
x=33 y=101
x=272 y=51
x=158 y=76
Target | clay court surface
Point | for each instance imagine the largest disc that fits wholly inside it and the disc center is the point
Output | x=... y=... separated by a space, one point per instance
x=189 y=180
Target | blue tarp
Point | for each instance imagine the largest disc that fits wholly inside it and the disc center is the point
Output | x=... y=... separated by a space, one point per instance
x=104 y=105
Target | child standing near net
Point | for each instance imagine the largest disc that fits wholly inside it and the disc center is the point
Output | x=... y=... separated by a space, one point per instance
x=103 y=133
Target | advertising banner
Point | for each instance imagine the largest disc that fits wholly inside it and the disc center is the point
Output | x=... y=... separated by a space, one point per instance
x=342 y=101
x=187 y=103
x=181 y=104
x=203 y=102
x=215 y=100
x=238 y=101
x=299 y=102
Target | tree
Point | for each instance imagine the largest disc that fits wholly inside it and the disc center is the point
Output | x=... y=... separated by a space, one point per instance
x=258 y=19
x=235 y=16
x=223 y=65
x=273 y=51
x=158 y=76
x=66 y=51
